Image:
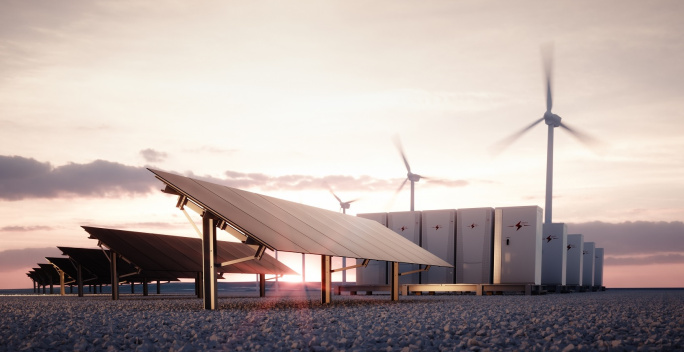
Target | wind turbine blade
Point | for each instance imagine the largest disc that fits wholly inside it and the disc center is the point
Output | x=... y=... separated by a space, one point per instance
x=547 y=57
x=400 y=187
x=336 y=197
x=394 y=196
x=504 y=143
x=397 y=142
x=331 y=192
x=588 y=140
x=353 y=200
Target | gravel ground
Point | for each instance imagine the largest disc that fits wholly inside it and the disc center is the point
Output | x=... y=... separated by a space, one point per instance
x=651 y=320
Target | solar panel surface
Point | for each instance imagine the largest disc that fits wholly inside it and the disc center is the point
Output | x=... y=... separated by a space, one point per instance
x=292 y=227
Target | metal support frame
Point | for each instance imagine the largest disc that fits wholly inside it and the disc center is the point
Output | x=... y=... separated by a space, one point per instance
x=326 y=279
x=394 y=281
x=158 y=287
x=145 y=288
x=209 y=257
x=363 y=264
x=426 y=268
x=132 y=287
x=115 y=275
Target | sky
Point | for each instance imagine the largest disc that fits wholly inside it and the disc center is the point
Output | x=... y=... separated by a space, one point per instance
x=284 y=97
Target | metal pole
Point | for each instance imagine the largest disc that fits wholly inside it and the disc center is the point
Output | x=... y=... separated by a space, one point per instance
x=115 y=276
x=276 y=278
x=145 y=292
x=158 y=288
x=209 y=256
x=262 y=285
x=62 y=289
x=548 y=211
x=344 y=272
x=326 y=278
x=304 y=270
x=394 y=284
x=412 y=188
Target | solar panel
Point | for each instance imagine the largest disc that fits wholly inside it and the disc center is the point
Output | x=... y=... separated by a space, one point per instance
x=155 y=253
x=65 y=265
x=292 y=227
x=50 y=272
x=96 y=263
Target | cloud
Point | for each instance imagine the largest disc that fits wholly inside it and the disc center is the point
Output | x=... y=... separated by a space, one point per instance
x=22 y=178
x=24 y=228
x=635 y=243
x=338 y=182
x=25 y=178
x=14 y=259
x=153 y=156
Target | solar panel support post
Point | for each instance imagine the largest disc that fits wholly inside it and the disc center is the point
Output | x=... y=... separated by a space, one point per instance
x=158 y=288
x=209 y=259
x=145 y=288
x=132 y=287
x=198 y=285
x=344 y=273
x=326 y=279
x=394 y=281
x=115 y=275
x=262 y=285
x=62 y=288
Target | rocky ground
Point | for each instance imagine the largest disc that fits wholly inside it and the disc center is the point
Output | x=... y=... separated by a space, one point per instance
x=651 y=320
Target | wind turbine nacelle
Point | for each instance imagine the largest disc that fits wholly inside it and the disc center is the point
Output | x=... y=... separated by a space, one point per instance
x=552 y=119
x=413 y=177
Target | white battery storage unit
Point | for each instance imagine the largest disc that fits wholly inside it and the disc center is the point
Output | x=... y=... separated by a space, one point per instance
x=588 y=262
x=474 y=245
x=598 y=267
x=438 y=237
x=407 y=224
x=554 y=253
x=574 y=249
x=517 y=245
x=376 y=271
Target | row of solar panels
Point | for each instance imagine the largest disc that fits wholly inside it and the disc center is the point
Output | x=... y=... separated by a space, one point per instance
x=146 y=257
x=264 y=221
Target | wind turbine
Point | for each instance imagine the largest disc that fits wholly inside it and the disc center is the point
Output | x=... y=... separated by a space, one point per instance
x=343 y=205
x=553 y=121
x=410 y=176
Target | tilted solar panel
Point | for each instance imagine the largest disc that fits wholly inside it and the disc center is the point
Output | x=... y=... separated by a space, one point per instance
x=292 y=227
x=155 y=253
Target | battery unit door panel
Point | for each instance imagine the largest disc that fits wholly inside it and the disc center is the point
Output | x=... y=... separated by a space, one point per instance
x=407 y=224
x=574 y=249
x=474 y=245
x=376 y=271
x=438 y=237
x=518 y=245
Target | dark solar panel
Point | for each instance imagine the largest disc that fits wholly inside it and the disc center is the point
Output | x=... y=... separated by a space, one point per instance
x=292 y=227
x=162 y=253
